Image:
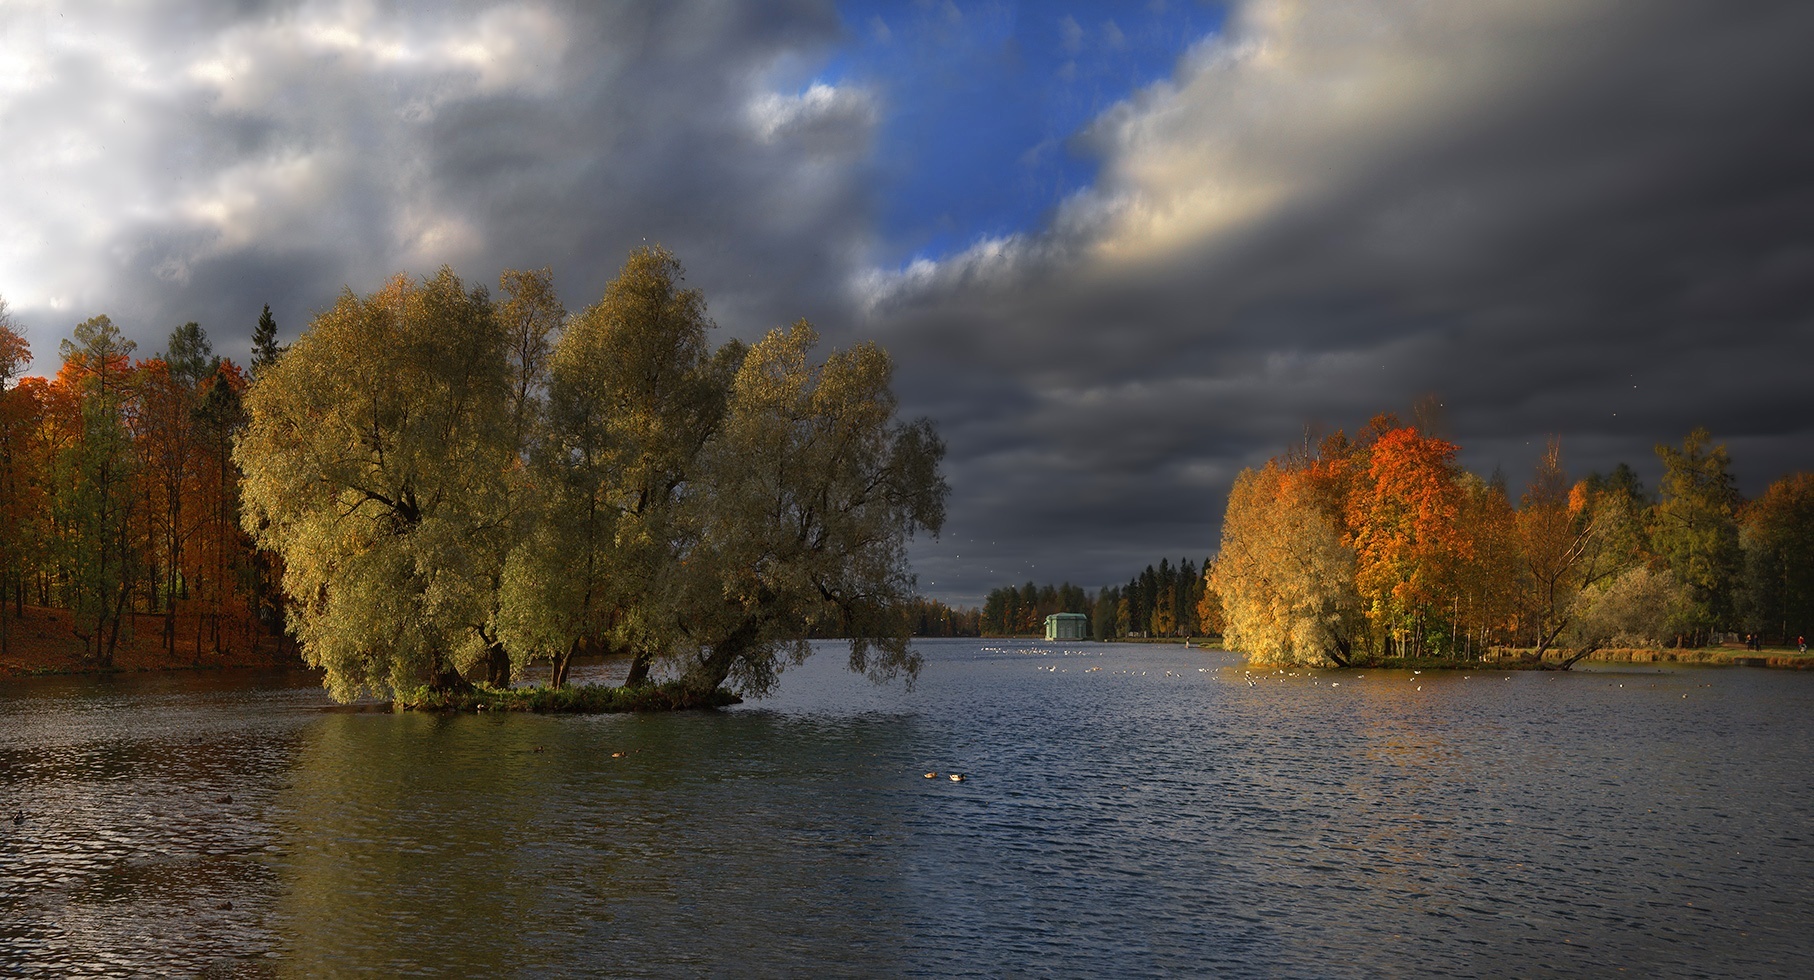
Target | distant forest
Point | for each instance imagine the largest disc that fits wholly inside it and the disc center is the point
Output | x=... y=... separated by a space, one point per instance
x=1167 y=600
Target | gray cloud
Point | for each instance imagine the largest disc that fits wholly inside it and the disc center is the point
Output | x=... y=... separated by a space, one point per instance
x=1588 y=219
x=199 y=167
x=1586 y=222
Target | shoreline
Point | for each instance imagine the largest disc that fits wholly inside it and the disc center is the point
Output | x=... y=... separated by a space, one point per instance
x=42 y=655
x=1514 y=659
x=43 y=643
x=586 y=699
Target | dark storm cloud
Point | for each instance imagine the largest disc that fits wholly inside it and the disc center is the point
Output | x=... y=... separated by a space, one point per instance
x=234 y=157
x=1588 y=219
x=1613 y=245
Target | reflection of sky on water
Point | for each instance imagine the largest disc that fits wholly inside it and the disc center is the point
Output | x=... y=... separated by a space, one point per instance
x=1128 y=810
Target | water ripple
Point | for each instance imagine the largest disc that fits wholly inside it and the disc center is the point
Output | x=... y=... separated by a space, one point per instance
x=1131 y=810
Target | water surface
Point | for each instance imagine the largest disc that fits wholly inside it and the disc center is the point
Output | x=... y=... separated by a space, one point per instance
x=1127 y=810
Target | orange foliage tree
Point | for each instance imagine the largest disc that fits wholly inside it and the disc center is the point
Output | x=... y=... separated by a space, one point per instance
x=20 y=477
x=1777 y=533
x=1403 y=515
x=118 y=491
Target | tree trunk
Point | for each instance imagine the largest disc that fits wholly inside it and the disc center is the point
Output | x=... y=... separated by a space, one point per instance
x=639 y=670
x=706 y=675
x=448 y=679
x=113 y=635
x=1578 y=656
x=557 y=678
x=497 y=665
x=1341 y=653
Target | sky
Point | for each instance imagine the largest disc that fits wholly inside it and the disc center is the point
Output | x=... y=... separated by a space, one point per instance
x=1119 y=252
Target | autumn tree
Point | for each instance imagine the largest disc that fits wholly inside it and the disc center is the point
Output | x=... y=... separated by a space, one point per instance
x=19 y=476
x=1487 y=582
x=219 y=567
x=1571 y=540
x=1777 y=535
x=634 y=392
x=1403 y=513
x=1286 y=578
x=1209 y=605
x=434 y=499
x=1695 y=529
x=814 y=488
x=95 y=496
x=1635 y=607
x=376 y=457
x=170 y=454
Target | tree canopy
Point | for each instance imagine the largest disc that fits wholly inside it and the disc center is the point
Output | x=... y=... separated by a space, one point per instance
x=1382 y=547
x=446 y=487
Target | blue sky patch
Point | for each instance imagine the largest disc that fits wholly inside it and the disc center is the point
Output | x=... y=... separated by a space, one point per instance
x=981 y=101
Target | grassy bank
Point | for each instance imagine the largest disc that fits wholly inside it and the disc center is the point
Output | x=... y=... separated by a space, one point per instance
x=1786 y=657
x=573 y=699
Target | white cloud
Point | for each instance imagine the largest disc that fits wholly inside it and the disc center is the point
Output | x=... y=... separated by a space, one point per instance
x=1290 y=101
x=507 y=47
x=842 y=111
x=138 y=148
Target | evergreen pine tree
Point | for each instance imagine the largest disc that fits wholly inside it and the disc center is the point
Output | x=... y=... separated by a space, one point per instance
x=265 y=349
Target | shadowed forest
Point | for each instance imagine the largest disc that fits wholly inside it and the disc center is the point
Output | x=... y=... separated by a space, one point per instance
x=120 y=498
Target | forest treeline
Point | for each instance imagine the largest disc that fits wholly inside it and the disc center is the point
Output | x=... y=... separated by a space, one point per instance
x=1381 y=546
x=450 y=485
x=1166 y=600
x=119 y=493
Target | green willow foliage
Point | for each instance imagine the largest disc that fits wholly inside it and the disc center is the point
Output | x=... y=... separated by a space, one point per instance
x=376 y=464
x=449 y=494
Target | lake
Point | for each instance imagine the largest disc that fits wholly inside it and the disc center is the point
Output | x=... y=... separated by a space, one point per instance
x=1127 y=810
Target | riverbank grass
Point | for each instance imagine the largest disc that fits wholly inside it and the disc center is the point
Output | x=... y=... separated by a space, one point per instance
x=572 y=699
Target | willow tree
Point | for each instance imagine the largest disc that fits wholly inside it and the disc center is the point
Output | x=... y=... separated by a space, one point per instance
x=634 y=393
x=1695 y=529
x=810 y=489
x=378 y=459
x=706 y=511
x=1285 y=577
